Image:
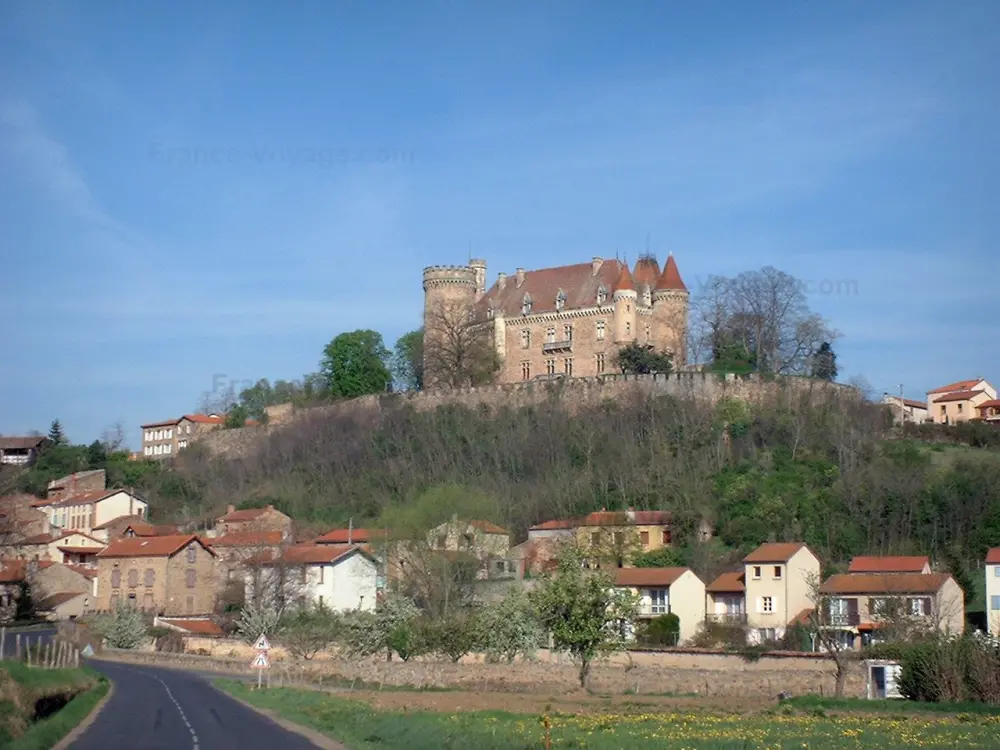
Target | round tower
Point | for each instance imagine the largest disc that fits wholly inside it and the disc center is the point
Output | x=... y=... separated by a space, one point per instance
x=478 y=266
x=445 y=289
x=625 y=300
x=671 y=300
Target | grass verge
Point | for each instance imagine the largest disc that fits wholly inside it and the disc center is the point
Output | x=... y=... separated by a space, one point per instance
x=815 y=702
x=360 y=727
x=44 y=734
x=21 y=687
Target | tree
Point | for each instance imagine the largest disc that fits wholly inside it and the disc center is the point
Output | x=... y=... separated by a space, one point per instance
x=56 y=434
x=453 y=636
x=258 y=617
x=509 y=628
x=583 y=612
x=827 y=627
x=127 y=628
x=354 y=364
x=308 y=630
x=236 y=417
x=662 y=557
x=408 y=360
x=97 y=454
x=24 y=607
x=113 y=438
x=636 y=359
x=385 y=630
x=824 y=363
x=459 y=349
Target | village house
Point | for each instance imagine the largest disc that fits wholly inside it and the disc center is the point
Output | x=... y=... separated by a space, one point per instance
x=13 y=574
x=993 y=591
x=340 y=577
x=958 y=402
x=129 y=526
x=858 y=606
x=906 y=409
x=21 y=451
x=167 y=438
x=20 y=520
x=989 y=411
x=81 y=481
x=883 y=565
x=81 y=511
x=167 y=575
x=267 y=518
x=780 y=580
x=238 y=548
x=57 y=546
x=726 y=599
x=64 y=592
x=664 y=591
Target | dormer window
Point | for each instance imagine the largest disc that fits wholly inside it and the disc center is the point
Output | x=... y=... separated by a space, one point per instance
x=560 y=300
x=602 y=294
x=526 y=305
x=647 y=296
x=489 y=312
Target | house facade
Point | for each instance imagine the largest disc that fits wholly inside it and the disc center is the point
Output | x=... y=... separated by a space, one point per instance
x=57 y=546
x=339 y=577
x=725 y=599
x=780 y=583
x=861 y=606
x=959 y=401
x=906 y=409
x=167 y=438
x=166 y=575
x=664 y=591
x=989 y=411
x=82 y=511
x=992 y=569
x=21 y=451
x=568 y=321
x=245 y=520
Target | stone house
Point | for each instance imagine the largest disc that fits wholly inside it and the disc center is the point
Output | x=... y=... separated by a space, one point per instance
x=20 y=520
x=992 y=571
x=781 y=580
x=989 y=411
x=958 y=402
x=166 y=575
x=57 y=546
x=857 y=606
x=568 y=321
x=667 y=590
x=167 y=438
x=267 y=518
x=338 y=576
x=81 y=481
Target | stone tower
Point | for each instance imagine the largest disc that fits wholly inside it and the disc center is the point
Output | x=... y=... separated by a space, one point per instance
x=626 y=300
x=670 y=312
x=447 y=287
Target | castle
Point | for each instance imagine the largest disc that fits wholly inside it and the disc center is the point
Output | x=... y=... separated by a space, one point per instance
x=570 y=320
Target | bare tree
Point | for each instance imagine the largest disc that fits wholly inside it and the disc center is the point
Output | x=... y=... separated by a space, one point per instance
x=113 y=437
x=830 y=628
x=458 y=347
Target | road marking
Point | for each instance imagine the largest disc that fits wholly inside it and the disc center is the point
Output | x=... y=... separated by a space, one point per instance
x=180 y=710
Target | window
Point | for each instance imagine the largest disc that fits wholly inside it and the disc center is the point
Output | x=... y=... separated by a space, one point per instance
x=560 y=300
x=526 y=305
x=756 y=572
x=192 y=554
x=659 y=602
x=150 y=577
x=116 y=578
x=147 y=601
x=190 y=605
x=525 y=339
x=182 y=444
x=321 y=601
x=628 y=328
x=602 y=294
x=595 y=539
x=600 y=362
x=601 y=325
x=777 y=572
x=919 y=606
x=644 y=538
x=959 y=408
x=525 y=371
x=550 y=335
x=568 y=332
x=189 y=576
x=995 y=602
x=148 y=450
x=767 y=604
x=649 y=332
x=665 y=537
x=568 y=366
x=996 y=571
x=878 y=606
x=322 y=569
x=550 y=366
x=133 y=578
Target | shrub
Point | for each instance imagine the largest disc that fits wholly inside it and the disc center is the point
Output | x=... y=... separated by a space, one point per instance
x=509 y=628
x=127 y=628
x=453 y=636
x=664 y=630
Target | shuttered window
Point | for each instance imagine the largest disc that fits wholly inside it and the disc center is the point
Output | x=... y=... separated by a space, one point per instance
x=150 y=576
x=190 y=574
x=133 y=577
x=116 y=578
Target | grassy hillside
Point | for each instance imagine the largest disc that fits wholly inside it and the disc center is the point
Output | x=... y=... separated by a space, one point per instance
x=22 y=687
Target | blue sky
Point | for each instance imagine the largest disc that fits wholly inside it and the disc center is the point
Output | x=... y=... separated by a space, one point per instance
x=193 y=193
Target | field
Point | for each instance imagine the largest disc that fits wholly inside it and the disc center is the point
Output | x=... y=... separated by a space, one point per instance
x=443 y=720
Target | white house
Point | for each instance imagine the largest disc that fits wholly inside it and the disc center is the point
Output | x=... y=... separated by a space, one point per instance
x=82 y=511
x=664 y=591
x=341 y=577
x=993 y=591
x=906 y=409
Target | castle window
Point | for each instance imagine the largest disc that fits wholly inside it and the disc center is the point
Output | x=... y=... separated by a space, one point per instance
x=602 y=294
x=600 y=330
x=550 y=335
x=560 y=300
x=628 y=328
x=525 y=371
x=600 y=363
x=525 y=339
x=568 y=333
x=550 y=366
x=647 y=296
x=649 y=333
x=568 y=366
x=526 y=305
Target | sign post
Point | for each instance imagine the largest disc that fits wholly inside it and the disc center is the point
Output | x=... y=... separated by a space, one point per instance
x=260 y=661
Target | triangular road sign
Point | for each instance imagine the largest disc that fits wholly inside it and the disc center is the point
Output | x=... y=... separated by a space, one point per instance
x=260 y=661
x=262 y=644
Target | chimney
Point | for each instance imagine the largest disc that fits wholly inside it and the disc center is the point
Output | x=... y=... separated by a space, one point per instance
x=230 y=509
x=520 y=277
x=501 y=281
x=597 y=262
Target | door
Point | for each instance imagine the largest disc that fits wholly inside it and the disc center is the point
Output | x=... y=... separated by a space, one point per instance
x=878 y=682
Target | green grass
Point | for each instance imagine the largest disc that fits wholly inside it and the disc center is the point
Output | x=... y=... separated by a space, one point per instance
x=359 y=727
x=813 y=702
x=46 y=733
x=21 y=686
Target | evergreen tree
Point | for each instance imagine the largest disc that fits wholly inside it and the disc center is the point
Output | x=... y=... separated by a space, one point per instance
x=56 y=434
x=25 y=606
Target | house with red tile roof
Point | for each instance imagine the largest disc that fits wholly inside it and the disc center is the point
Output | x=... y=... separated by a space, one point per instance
x=726 y=599
x=342 y=577
x=664 y=591
x=959 y=401
x=53 y=545
x=165 y=439
x=888 y=564
x=992 y=570
x=780 y=580
x=77 y=510
x=566 y=321
x=989 y=411
x=482 y=539
x=267 y=518
x=906 y=409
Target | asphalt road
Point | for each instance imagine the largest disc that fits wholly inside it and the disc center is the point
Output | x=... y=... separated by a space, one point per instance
x=165 y=709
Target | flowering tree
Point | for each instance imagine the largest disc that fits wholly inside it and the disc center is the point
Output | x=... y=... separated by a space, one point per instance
x=258 y=618
x=390 y=628
x=126 y=629
x=509 y=628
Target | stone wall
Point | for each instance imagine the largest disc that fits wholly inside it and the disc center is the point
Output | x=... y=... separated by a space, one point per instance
x=574 y=393
x=679 y=671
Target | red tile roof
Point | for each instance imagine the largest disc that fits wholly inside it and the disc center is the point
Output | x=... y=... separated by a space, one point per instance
x=774 y=552
x=55 y=537
x=648 y=576
x=82 y=498
x=891 y=583
x=646 y=272
x=357 y=536
x=624 y=283
x=248 y=514
x=888 y=564
x=802 y=618
x=578 y=281
x=197 y=418
x=727 y=583
x=555 y=525
x=487 y=527
x=248 y=539
x=79 y=550
x=12 y=571
x=118 y=521
x=992 y=402
x=604 y=518
x=197 y=627
x=82 y=570
x=318 y=554
x=671 y=277
x=957 y=396
x=993 y=556
x=150 y=546
x=961 y=385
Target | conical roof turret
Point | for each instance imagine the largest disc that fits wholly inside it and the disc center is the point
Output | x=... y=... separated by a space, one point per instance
x=625 y=282
x=670 y=279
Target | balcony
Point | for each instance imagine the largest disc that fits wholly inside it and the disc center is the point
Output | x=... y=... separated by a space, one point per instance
x=557 y=346
x=727 y=618
x=848 y=620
